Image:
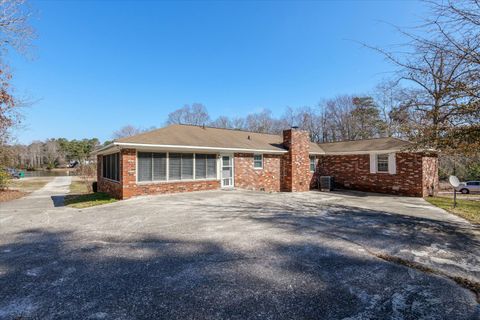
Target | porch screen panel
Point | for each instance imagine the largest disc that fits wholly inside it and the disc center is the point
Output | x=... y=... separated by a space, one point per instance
x=144 y=166
x=211 y=166
x=187 y=166
x=104 y=166
x=111 y=166
x=200 y=166
x=159 y=166
x=116 y=170
x=174 y=166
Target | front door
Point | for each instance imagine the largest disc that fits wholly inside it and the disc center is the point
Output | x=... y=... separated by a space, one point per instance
x=227 y=171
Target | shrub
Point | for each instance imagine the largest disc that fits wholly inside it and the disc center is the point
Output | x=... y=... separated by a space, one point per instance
x=473 y=172
x=4 y=178
x=87 y=173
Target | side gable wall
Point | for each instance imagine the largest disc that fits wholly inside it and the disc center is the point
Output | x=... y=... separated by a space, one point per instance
x=414 y=174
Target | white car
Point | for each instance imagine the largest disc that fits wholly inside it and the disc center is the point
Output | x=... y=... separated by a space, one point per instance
x=469 y=187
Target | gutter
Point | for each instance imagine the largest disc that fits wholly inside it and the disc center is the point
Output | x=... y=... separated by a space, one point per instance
x=121 y=145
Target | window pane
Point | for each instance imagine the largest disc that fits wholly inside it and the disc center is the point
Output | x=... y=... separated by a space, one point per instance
x=211 y=166
x=200 y=166
x=144 y=166
x=110 y=166
x=114 y=176
x=104 y=166
x=117 y=157
x=187 y=166
x=312 y=164
x=159 y=166
x=174 y=165
x=226 y=161
x=257 y=161
x=382 y=162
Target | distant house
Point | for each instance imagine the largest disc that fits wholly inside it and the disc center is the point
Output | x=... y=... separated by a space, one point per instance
x=183 y=158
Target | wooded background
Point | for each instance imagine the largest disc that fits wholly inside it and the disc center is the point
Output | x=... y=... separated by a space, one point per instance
x=432 y=98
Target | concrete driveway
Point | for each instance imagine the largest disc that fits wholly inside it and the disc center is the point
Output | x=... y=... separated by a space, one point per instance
x=241 y=255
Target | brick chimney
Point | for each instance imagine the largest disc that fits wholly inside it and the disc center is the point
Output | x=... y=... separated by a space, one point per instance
x=296 y=163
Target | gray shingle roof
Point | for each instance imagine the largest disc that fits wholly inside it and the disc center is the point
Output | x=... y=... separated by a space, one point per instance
x=199 y=136
x=366 y=145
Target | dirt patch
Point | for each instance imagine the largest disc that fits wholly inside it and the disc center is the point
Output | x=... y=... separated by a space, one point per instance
x=7 y=195
x=29 y=184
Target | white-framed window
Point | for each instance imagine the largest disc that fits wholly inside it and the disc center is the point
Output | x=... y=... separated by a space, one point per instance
x=154 y=166
x=258 y=161
x=382 y=162
x=313 y=164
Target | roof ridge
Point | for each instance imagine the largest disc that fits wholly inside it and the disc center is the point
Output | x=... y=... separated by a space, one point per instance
x=139 y=134
x=353 y=140
x=230 y=129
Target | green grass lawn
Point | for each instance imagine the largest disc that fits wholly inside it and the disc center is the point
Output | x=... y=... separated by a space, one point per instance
x=79 y=196
x=467 y=209
x=88 y=200
x=79 y=187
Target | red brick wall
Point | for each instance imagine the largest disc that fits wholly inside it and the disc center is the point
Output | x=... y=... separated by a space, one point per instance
x=430 y=175
x=266 y=179
x=295 y=175
x=128 y=186
x=353 y=172
x=171 y=187
x=129 y=172
x=417 y=174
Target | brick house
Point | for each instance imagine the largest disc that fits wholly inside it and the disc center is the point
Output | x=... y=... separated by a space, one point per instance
x=182 y=158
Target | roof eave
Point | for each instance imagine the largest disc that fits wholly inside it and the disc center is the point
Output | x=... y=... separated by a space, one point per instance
x=376 y=151
x=104 y=149
x=194 y=148
x=362 y=152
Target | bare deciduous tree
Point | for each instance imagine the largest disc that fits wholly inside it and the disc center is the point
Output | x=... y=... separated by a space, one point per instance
x=222 y=122
x=15 y=33
x=338 y=112
x=15 y=29
x=196 y=114
x=306 y=118
x=440 y=69
x=264 y=122
x=126 y=131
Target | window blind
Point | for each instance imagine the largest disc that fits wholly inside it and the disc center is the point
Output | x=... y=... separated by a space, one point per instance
x=211 y=166
x=187 y=166
x=159 y=166
x=200 y=166
x=174 y=166
x=144 y=166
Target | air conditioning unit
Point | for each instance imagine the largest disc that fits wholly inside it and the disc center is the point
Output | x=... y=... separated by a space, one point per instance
x=326 y=183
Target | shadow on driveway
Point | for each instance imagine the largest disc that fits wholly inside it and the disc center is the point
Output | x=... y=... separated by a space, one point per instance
x=49 y=274
x=58 y=201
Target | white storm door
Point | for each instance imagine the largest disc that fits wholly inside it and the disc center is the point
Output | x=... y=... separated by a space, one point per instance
x=227 y=171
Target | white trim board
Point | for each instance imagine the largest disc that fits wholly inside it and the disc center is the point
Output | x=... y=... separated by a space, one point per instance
x=190 y=148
